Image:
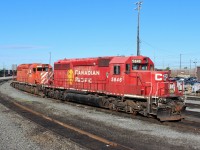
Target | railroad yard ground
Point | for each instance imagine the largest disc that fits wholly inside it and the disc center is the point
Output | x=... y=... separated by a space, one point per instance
x=135 y=132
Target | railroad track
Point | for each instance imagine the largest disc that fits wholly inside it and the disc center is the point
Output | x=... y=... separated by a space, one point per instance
x=84 y=138
x=184 y=124
x=5 y=79
x=77 y=135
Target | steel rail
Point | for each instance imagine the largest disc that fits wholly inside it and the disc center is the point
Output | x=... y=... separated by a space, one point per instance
x=95 y=137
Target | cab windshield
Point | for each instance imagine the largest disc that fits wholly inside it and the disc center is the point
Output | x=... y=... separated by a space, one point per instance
x=135 y=67
x=42 y=69
x=144 y=67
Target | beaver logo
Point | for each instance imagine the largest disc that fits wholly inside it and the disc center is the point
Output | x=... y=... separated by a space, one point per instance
x=70 y=76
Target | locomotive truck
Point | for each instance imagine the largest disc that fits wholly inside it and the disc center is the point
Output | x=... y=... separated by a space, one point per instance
x=122 y=83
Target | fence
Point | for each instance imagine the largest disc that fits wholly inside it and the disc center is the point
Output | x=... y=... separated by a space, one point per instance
x=184 y=73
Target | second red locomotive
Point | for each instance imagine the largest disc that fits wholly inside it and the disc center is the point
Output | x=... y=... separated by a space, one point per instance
x=120 y=83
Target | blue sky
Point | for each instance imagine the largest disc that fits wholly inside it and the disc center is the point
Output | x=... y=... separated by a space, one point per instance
x=31 y=29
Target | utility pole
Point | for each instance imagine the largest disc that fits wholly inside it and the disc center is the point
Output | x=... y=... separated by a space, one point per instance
x=195 y=64
x=138 y=27
x=195 y=70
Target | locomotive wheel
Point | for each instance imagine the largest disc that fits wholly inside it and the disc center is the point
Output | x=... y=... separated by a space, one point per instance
x=112 y=106
x=28 y=89
x=134 y=113
x=56 y=94
x=32 y=90
x=36 y=91
x=61 y=96
x=106 y=104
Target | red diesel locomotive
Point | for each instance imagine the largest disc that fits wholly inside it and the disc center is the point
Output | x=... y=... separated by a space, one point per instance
x=35 y=73
x=120 y=83
x=30 y=77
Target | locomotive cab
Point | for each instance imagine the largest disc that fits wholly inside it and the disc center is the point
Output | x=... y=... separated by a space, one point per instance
x=34 y=73
x=130 y=75
x=134 y=77
x=40 y=73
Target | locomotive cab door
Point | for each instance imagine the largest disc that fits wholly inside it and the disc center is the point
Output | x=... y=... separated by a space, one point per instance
x=33 y=74
x=116 y=79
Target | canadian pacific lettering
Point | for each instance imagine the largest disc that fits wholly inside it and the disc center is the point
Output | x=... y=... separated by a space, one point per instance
x=87 y=72
x=83 y=80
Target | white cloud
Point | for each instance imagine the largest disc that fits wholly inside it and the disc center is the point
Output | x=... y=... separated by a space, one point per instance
x=18 y=47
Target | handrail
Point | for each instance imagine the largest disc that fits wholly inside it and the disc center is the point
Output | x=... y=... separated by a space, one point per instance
x=137 y=76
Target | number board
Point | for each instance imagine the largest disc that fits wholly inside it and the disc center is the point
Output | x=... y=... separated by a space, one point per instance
x=136 y=61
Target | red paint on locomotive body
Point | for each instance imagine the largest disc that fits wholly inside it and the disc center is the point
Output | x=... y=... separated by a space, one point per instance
x=119 y=83
x=35 y=73
x=82 y=74
x=131 y=76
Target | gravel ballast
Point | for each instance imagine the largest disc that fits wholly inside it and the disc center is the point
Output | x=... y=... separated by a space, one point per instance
x=17 y=133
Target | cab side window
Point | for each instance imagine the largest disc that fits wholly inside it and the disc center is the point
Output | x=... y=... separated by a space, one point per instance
x=116 y=69
x=151 y=67
x=128 y=68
